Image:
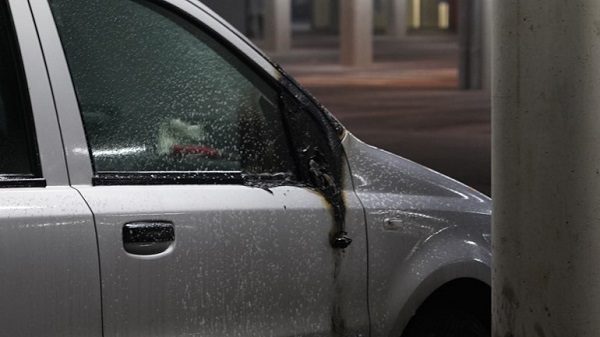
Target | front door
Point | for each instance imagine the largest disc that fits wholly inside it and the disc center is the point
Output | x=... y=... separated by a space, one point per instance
x=209 y=222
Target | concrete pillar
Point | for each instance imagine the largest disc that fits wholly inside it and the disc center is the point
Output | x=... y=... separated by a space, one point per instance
x=546 y=168
x=278 y=28
x=474 y=31
x=414 y=7
x=443 y=15
x=486 y=44
x=397 y=20
x=356 y=32
x=469 y=44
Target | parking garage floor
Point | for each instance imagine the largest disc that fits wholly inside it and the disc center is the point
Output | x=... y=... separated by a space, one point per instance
x=407 y=102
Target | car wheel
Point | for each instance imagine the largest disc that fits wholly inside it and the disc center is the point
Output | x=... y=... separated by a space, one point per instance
x=446 y=322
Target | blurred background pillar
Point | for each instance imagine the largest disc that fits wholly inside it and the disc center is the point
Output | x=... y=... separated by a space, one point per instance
x=278 y=28
x=356 y=32
x=444 y=15
x=397 y=20
x=414 y=6
x=546 y=168
x=469 y=44
x=486 y=44
x=474 y=39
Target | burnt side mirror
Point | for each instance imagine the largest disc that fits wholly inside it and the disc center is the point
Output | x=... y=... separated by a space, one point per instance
x=319 y=155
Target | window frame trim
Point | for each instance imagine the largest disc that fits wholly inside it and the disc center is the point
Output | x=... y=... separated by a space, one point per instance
x=168 y=178
x=35 y=178
x=6 y=181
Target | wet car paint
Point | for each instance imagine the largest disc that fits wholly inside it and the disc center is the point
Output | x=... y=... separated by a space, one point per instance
x=424 y=229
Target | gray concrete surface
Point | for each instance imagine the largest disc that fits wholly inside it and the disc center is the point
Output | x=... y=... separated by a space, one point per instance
x=406 y=102
x=547 y=169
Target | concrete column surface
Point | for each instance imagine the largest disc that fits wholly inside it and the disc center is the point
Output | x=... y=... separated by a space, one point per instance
x=546 y=168
x=474 y=29
x=414 y=7
x=470 y=38
x=443 y=15
x=278 y=27
x=486 y=44
x=397 y=20
x=356 y=32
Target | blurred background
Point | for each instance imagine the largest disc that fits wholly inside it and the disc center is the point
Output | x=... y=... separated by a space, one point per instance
x=408 y=76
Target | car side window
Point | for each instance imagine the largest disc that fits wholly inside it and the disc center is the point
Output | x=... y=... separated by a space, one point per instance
x=160 y=94
x=18 y=152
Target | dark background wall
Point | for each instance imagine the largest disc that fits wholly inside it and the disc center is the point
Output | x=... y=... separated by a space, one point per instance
x=233 y=11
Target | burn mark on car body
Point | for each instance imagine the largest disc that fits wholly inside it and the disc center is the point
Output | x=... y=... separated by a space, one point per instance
x=319 y=157
x=320 y=161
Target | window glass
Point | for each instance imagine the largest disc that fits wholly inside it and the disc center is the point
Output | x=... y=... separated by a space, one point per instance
x=15 y=146
x=157 y=93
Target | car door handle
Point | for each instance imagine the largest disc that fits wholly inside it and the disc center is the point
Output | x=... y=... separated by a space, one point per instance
x=148 y=237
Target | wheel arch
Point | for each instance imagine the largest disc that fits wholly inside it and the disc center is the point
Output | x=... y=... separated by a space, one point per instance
x=446 y=268
x=466 y=294
x=450 y=284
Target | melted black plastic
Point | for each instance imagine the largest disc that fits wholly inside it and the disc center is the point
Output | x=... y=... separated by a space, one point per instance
x=319 y=159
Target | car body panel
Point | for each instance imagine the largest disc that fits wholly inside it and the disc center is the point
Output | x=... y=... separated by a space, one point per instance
x=50 y=280
x=50 y=284
x=424 y=230
x=245 y=260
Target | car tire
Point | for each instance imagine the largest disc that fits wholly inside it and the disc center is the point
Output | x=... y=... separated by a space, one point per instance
x=446 y=322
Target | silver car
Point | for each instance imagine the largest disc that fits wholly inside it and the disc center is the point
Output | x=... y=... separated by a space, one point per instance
x=161 y=177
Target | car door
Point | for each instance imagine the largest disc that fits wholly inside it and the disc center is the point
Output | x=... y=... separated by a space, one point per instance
x=221 y=198
x=49 y=268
